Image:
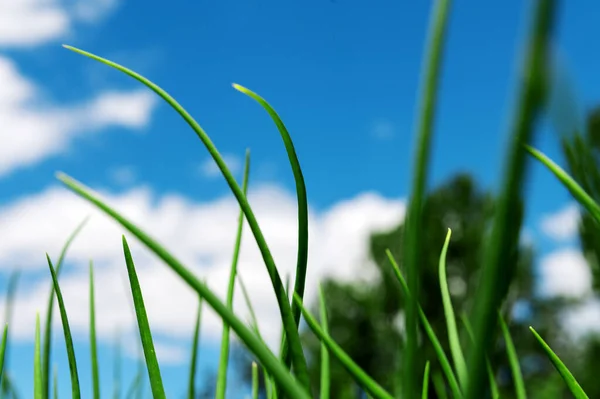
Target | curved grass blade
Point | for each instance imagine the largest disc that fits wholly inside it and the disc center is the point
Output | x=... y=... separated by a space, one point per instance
x=496 y=277
x=298 y=359
x=254 y=344
x=55 y=382
x=435 y=342
x=413 y=237
x=254 y=381
x=156 y=384
x=93 y=349
x=495 y=392
x=564 y=372
x=568 y=182
x=453 y=339
x=11 y=290
x=3 y=348
x=439 y=385
x=325 y=377
x=302 y=260
x=224 y=357
x=194 y=360
x=37 y=362
x=359 y=375
x=47 y=344
x=67 y=331
x=425 y=392
x=513 y=359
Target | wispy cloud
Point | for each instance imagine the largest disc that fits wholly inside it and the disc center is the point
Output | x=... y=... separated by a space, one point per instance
x=562 y=225
x=565 y=273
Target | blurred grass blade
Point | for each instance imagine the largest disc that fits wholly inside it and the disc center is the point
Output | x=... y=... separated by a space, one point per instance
x=425 y=392
x=513 y=360
x=298 y=359
x=564 y=372
x=494 y=390
x=117 y=369
x=570 y=184
x=359 y=375
x=439 y=385
x=254 y=344
x=67 y=332
x=224 y=357
x=435 y=342
x=194 y=359
x=302 y=259
x=413 y=237
x=93 y=349
x=47 y=343
x=325 y=377
x=158 y=391
x=254 y=381
x=135 y=385
x=453 y=339
x=496 y=277
x=3 y=348
x=55 y=382
x=37 y=363
x=11 y=290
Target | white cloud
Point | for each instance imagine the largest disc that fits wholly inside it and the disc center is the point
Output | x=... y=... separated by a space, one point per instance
x=210 y=169
x=32 y=131
x=583 y=319
x=200 y=234
x=565 y=273
x=562 y=225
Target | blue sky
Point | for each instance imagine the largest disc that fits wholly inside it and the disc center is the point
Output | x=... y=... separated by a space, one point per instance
x=342 y=74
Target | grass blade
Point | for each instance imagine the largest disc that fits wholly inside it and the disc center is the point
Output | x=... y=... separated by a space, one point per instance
x=55 y=382
x=359 y=375
x=144 y=327
x=439 y=385
x=47 y=344
x=117 y=369
x=298 y=359
x=254 y=344
x=224 y=357
x=564 y=372
x=254 y=381
x=568 y=182
x=302 y=259
x=3 y=348
x=435 y=342
x=495 y=392
x=513 y=360
x=11 y=290
x=425 y=392
x=325 y=377
x=496 y=277
x=37 y=362
x=194 y=361
x=93 y=349
x=453 y=339
x=67 y=331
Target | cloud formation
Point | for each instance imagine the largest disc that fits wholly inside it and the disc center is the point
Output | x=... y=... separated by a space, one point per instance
x=562 y=225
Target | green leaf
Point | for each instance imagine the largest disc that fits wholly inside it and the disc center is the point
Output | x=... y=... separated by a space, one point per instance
x=564 y=372
x=194 y=361
x=224 y=357
x=425 y=392
x=3 y=348
x=254 y=381
x=413 y=239
x=254 y=344
x=513 y=360
x=496 y=274
x=291 y=331
x=37 y=363
x=47 y=344
x=359 y=375
x=453 y=339
x=325 y=377
x=156 y=384
x=67 y=332
x=93 y=350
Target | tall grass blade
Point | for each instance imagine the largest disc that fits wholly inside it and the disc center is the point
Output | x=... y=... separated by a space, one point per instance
x=254 y=381
x=93 y=349
x=453 y=339
x=156 y=384
x=117 y=369
x=47 y=343
x=3 y=348
x=134 y=387
x=298 y=359
x=414 y=233
x=254 y=344
x=359 y=375
x=439 y=386
x=67 y=332
x=194 y=359
x=302 y=259
x=55 y=382
x=494 y=390
x=37 y=362
x=513 y=360
x=564 y=372
x=325 y=377
x=11 y=290
x=504 y=237
x=224 y=357
x=435 y=342
x=425 y=391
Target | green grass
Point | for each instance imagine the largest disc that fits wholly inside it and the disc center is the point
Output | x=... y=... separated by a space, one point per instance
x=469 y=373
